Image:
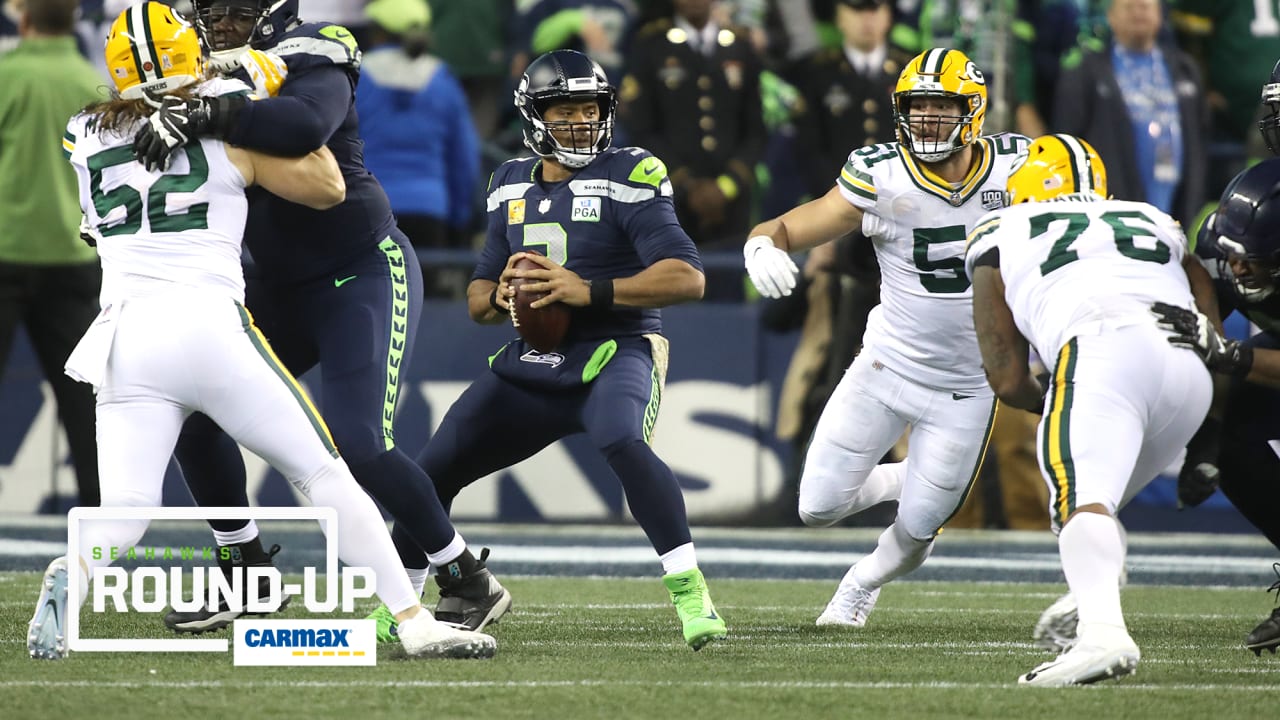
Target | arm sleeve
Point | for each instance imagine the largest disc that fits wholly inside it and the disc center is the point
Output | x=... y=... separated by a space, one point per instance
x=856 y=183
x=310 y=107
x=657 y=234
x=493 y=257
x=981 y=247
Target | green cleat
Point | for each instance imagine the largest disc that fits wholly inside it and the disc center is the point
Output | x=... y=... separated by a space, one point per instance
x=692 y=599
x=386 y=624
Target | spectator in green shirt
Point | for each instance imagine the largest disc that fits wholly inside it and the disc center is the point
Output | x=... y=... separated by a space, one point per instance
x=49 y=278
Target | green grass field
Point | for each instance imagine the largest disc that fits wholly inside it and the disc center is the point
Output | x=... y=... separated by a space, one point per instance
x=608 y=648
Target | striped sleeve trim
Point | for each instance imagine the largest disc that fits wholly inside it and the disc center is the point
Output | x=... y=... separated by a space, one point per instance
x=68 y=144
x=857 y=182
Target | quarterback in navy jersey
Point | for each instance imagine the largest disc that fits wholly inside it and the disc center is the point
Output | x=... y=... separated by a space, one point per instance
x=1240 y=246
x=611 y=249
x=339 y=288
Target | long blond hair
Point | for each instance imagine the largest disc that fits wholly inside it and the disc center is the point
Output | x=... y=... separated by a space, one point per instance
x=118 y=114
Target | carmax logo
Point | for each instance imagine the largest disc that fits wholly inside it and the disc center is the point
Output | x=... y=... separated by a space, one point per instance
x=305 y=642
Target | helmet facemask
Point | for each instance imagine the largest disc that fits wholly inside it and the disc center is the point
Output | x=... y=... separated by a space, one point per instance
x=1269 y=125
x=949 y=133
x=573 y=143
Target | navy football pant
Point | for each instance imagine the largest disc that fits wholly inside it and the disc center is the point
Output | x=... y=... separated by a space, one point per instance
x=496 y=424
x=1250 y=467
x=359 y=326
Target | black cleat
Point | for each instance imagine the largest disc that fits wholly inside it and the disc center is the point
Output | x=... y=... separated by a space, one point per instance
x=470 y=596
x=1267 y=635
x=208 y=619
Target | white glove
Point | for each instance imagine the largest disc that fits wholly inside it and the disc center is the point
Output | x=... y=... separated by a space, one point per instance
x=770 y=267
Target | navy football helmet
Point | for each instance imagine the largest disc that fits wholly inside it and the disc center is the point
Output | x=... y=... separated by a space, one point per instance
x=559 y=76
x=1246 y=227
x=266 y=20
x=1269 y=125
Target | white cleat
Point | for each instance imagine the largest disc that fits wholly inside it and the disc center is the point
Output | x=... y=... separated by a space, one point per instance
x=1105 y=652
x=46 y=635
x=851 y=604
x=1056 y=628
x=424 y=636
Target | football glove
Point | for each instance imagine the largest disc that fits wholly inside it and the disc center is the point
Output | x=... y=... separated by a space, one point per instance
x=178 y=121
x=770 y=267
x=1191 y=329
x=89 y=233
x=1199 y=476
x=265 y=72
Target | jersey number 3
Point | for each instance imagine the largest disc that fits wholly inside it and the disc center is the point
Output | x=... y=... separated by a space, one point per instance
x=195 y=217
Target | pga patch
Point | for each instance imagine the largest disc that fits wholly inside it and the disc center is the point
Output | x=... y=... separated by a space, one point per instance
x=515 y=212
x=585 y=209
x=992 y=199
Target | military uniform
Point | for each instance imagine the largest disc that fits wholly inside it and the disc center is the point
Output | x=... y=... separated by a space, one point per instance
x=844 y=110
x=699 y=111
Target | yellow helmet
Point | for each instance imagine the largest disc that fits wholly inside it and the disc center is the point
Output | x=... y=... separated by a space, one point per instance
x=1057 y=165
x=151 y=48
x=941 y=72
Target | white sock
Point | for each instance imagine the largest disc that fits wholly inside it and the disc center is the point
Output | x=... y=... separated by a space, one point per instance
x=417 y=578
x=236 y=537
x=896 y=554
x=449 y=552
x=1092 y=553
x=363 y=540
x=679 y=559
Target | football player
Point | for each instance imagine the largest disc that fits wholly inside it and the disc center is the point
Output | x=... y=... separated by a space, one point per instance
x=341 y=288
x=1074 y=275
x=916 y=199
x=174 y=337
x=611 y=249
x=1240 y=244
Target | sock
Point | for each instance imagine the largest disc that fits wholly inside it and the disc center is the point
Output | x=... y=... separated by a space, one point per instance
x=1092 y=556
x=237 y=537
x=653 y=494
x=363 y=540
x=408 y=494
x=417 y=578
x=680 y=559
x=896 y=554
x=456 y=548
x=213 y=468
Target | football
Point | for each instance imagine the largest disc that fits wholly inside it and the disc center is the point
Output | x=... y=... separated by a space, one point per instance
x=545 y=327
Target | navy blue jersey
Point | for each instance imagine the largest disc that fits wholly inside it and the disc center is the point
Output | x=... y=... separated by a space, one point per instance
x=1263 y=312
x=290 y=242
x=612 y=219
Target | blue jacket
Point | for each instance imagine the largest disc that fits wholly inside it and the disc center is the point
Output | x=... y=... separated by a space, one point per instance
x=419 y=140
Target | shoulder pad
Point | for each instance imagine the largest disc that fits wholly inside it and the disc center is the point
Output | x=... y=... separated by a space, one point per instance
x=642 y=168
x=315 y=44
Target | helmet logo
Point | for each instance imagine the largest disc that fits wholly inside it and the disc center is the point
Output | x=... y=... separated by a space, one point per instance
x=973 y=74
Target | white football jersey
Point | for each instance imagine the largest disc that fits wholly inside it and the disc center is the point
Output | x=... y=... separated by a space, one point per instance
x=923 y=326
x=181 y=226
x=1081 y=266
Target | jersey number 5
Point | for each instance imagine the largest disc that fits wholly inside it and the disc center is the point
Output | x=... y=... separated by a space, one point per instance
x=195 y=217
x=944 y=275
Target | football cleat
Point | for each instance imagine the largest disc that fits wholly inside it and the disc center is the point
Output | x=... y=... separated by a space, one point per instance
x=473 y=600
x=698 y=617
x=208 y=619
x=46 y=634
x=1103 y=652
x=423 y=636
x=851 y=604
x=385 y=623
x=1056 y=628
x=1267 y=635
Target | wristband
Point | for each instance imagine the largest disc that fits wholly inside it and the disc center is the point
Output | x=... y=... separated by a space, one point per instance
x=493 y=301
x=601 y=293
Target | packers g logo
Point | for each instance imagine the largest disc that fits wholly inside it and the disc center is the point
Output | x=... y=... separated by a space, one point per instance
x=973 y=74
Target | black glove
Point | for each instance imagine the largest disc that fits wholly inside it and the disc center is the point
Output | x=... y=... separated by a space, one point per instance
x=1191 y=329
x=1199 y=476
x=178 y=121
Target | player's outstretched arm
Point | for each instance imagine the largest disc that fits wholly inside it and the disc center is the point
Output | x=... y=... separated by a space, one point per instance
x=816 y=222
x=1005 y=351
x=313 y=180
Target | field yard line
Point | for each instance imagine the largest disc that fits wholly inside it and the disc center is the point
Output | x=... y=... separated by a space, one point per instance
x=498 y=684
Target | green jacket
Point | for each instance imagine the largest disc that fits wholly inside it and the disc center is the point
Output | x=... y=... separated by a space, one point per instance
x=45 y=82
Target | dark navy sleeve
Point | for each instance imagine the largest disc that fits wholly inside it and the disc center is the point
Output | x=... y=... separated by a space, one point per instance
x=310 y=107
x=493 y=258
x=652 y=225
